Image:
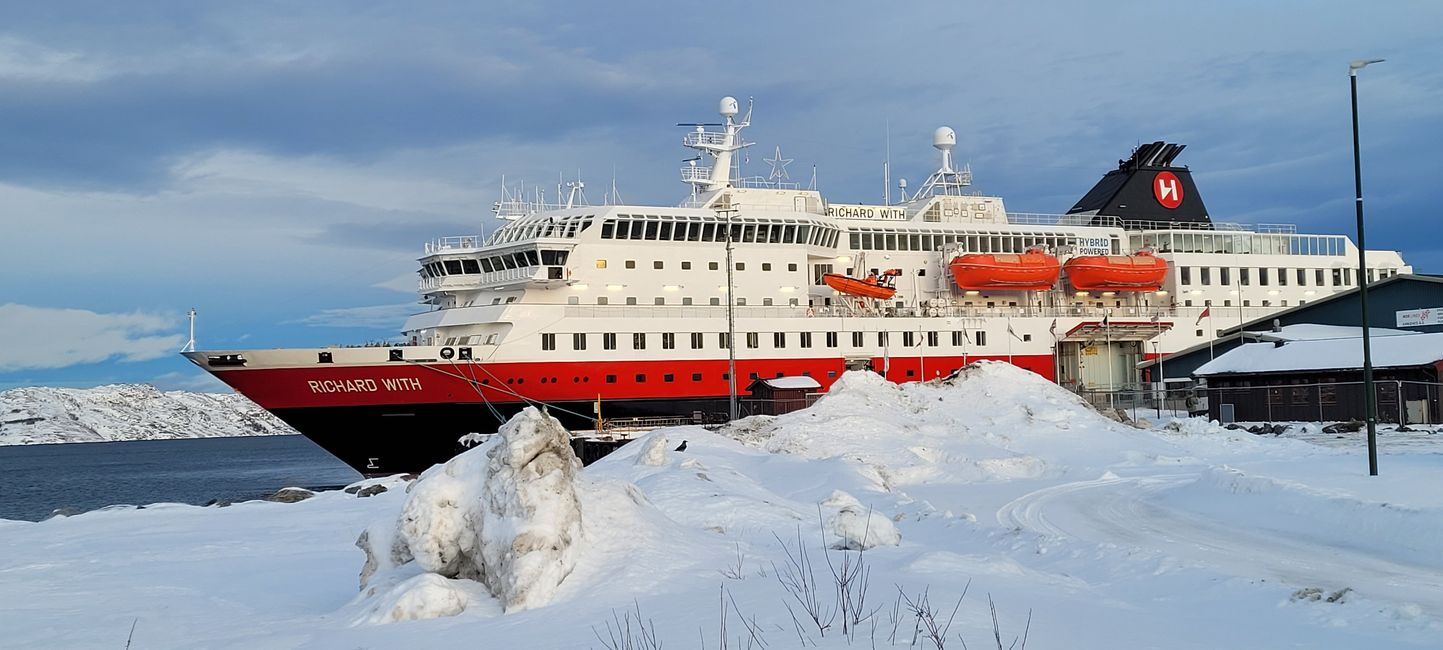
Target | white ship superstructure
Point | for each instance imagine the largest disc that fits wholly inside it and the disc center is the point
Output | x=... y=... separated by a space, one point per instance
x=572 y=304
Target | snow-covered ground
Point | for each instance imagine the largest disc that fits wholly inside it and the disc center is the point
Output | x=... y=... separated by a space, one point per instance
x=43 y=415
x=997 y=484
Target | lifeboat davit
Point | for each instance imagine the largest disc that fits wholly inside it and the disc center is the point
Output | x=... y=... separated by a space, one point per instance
x=1034 y=270
x=1138 y=272
x=871 y=287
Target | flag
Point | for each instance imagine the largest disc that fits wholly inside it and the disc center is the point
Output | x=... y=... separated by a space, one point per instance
x=1154 y=319
x=1053 y=329
x=1014 y=334
x=1206 y=312
x=1104 y=319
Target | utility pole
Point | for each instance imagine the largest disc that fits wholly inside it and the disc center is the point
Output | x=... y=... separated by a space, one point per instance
x=731 y=323
x=1369 y=397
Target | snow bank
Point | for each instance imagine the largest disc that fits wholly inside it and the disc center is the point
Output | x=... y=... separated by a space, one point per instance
x=44 y=415
x=505 y=514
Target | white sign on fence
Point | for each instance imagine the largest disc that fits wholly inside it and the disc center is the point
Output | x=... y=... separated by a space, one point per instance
x=1419 y=317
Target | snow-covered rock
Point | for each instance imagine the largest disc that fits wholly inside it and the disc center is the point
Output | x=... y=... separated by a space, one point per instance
x=505 y=514
x=858 y=527
x=653 y=451
x=43 y=415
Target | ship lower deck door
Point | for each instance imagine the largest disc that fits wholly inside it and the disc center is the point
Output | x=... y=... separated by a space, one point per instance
x=1104 y=365
x=800 y=203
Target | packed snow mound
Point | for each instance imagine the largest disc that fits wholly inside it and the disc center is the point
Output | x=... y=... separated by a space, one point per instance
x=989 y=421
x=505 y=514
x=422 y=596
x=653 y=451
x=858 y=527
x=44 y=415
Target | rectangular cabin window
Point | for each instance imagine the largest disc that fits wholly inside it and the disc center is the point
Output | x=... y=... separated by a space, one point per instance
x=1317 y=277
x=957 y=338
x=638 y=341
x=856 y=339
x=1262 y=277
x=664 y=233
x=932 y=339
x=708 y=232
x=779 y=340
x=1206 y=276
x=831 y=339
x=753 y=340
x=608 y=229
x=1282 y=277
x=775 y=236
x=578 y=341
x=721 y=340
x=882 y=339
x=909 y=339
x=1302 y=277
x=981 y=338
x=486 y=265
x=548 y=341
x=694 y=232
x=696 y=340
x=651 y=229
x=470 y=266
x=608 y=341
x=1185 y=275
x=790 y=236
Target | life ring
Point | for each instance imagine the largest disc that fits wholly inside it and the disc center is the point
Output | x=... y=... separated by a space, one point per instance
x=447 y=353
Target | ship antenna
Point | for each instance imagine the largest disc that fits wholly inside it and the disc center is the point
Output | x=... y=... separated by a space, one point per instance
x=813 y=186
x=190 y=345
x=887 y=167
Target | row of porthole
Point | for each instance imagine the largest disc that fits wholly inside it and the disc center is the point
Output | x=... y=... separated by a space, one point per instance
x=640 y=378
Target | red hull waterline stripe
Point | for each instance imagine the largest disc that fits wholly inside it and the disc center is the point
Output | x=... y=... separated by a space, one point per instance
x=431 y=383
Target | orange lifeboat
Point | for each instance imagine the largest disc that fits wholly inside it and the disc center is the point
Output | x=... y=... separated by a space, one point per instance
x=871 y=287
x=1138 y=272
x=1034 y=270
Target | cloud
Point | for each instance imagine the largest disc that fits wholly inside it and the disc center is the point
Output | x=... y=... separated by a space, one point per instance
x=373 y=316
x=42 y=337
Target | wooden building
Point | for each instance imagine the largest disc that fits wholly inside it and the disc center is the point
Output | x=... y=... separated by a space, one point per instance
x=779 y=395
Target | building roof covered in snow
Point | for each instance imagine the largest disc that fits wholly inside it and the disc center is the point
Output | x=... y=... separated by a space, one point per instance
x=1337 y=353
x=791 y=383
x=1314 y=332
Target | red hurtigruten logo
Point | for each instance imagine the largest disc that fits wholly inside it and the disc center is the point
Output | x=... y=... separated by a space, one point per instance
x=1167 y=189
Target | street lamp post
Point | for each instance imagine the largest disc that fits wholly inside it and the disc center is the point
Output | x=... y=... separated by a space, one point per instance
x=1369 y=398
x=731 y=323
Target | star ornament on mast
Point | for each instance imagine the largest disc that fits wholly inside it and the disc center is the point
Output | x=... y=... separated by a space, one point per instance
x=779 y=166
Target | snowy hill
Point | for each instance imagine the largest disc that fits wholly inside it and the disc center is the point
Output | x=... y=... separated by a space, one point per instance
x=42 y=415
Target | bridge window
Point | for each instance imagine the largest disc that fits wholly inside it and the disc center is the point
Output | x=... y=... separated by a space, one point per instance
x=453 y=267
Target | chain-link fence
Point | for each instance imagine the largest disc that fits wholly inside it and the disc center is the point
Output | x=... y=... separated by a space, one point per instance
x=1397 y=401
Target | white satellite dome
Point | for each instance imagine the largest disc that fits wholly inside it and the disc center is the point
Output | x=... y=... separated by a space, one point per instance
x=729 y=106
x=944 y=138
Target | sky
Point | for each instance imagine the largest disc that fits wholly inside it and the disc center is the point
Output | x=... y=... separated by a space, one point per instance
x=278 y=165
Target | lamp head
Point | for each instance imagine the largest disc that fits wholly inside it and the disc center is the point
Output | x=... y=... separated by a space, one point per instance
x=1359 y=64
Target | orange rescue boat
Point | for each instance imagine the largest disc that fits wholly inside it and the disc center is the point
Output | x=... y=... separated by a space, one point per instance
x=871 y=287
x=1138 y=272
x=1034 y=270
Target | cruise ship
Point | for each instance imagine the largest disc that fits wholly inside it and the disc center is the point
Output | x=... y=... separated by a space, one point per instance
x=613 y=311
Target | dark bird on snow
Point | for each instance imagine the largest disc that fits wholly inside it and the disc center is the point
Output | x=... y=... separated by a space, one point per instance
x=682 y=446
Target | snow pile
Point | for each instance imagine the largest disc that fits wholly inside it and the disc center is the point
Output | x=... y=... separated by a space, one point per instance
x=653 y=453
x=43 y=415
x=505 y=514
x=857 y=527
x=991 y=421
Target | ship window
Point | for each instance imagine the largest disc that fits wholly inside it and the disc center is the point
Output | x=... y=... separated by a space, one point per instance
x=510 y=299
x=622 y=227
x=651 y=228
x=503 y=262
x=668 y=377
x=917 y=242
x=486 y=265
x=686 y=266
x=753 y=340
x=693 y=232
x=1262 y=277
x=696 y=376
x=548 y=341
x=608 y=340
x=741 y=302
x=714 y=302
x=638 y=341
x=766 y=266
x=600 y=264
x=831 y=339
x=708 y=232
x=668 y=340
x=766 y=302
x=686 y=301
x=1302 y=277
x=696 y=340
x=611 y=379
x=779 y=340
x=602 y=300
x=909 y=339
x=533 y=258
x=741 y=266
x=665 y=232
x=1225 y=272
x=573 y=300
x=745 y=233
x=578 y=341
x=856 y=339
x=1206 y=276
x=453 y=267
x=721 y=340
x=713 y=266
x=470 y=266
x=640 y=378
x=861 y=241
x=881 y=338
x=657 y=264
x=981 y=338
x=790 y=236
x=631 y=264
x=1282 y=277
x=776 y=234
x=1185 y=275
x=932 y=339
x=607 y=229
x=891 y=240
x=631 y=300
x=957 y=338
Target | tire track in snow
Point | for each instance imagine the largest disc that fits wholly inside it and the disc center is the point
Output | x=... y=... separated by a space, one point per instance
x=1126 y=511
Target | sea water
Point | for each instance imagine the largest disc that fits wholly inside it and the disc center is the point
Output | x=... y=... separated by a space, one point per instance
x=38 y=480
